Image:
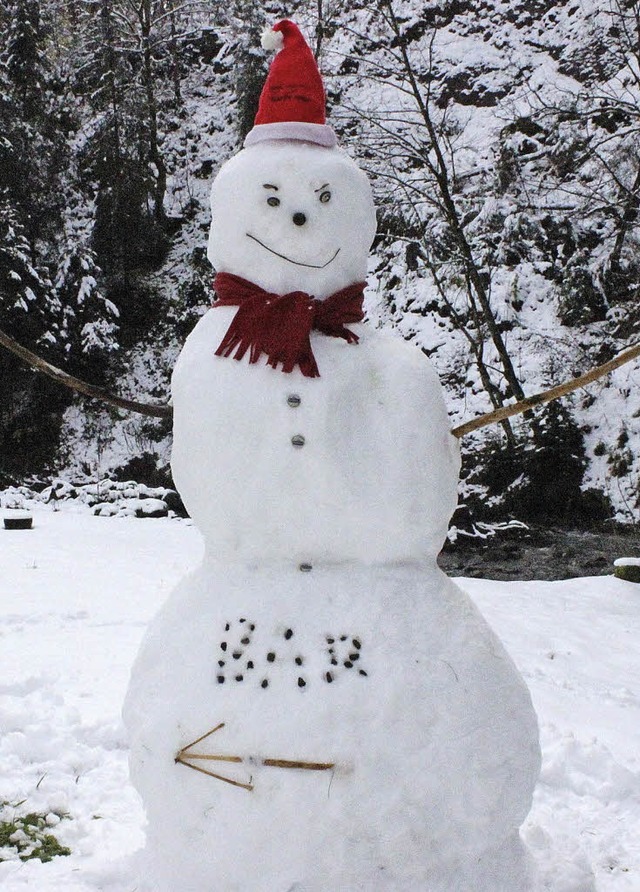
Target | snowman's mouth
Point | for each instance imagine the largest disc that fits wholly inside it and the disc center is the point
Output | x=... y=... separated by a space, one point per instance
x=288 y=259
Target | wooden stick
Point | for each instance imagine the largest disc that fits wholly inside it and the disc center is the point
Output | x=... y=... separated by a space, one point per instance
x=184 y=757
x=227 y=780
x=157 y=411
x=200 y=739
x=272 y=763
x=83 y=387
x=547 y=396
x=309 y=766
x=207 y=757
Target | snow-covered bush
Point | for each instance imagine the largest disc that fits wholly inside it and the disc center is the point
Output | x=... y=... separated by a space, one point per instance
x=27 y=836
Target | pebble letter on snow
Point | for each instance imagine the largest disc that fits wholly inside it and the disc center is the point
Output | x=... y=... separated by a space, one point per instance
x=317 y=708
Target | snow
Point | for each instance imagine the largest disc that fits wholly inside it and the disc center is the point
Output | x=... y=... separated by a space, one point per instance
x=266 y=500
x=388 y=705
x=358 y=498
x=251 y=222
x=87 y=588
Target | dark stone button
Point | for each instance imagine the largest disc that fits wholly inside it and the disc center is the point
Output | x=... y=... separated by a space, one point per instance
x=298 y=441
x=293 y=400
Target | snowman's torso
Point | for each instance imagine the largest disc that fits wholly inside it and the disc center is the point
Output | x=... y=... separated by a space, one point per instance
x=356 y=464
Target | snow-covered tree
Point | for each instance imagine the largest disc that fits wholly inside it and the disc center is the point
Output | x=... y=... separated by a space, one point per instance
x=89 y=325
x=23 y=57
x=21 y=286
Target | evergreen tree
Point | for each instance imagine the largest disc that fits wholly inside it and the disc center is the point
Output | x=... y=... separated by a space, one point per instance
x=21 y=285
x=24 y=61
x=89 y=318
x=118 y=78
x=32 y=124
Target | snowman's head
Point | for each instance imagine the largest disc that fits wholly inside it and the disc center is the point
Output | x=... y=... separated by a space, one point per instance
x=292 y=216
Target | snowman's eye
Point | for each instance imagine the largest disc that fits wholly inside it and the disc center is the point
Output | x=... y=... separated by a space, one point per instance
x=325 y=196
x=273 y=201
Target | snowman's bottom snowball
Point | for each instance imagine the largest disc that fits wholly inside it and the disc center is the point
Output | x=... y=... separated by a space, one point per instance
x=427 y=719
x=509 y=869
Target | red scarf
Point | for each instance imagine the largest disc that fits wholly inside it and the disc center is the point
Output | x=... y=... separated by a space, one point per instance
x=280 y=325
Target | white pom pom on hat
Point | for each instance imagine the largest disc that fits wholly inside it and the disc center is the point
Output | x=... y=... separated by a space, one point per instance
x=272 y=40
x=292 y=103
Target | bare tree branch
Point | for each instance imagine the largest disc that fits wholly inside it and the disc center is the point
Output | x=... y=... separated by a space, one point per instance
x=91 y=390
x=547 y=396
x=157 y=411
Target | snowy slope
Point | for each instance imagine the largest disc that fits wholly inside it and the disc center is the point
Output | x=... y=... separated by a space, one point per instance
x=535 y=226
x=495 y=73
x=75 y=596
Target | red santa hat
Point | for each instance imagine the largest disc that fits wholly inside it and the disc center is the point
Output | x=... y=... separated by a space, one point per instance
x=292 y=103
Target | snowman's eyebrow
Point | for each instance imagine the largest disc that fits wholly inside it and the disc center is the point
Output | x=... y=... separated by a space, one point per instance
x=321 y=188
x=269 y=186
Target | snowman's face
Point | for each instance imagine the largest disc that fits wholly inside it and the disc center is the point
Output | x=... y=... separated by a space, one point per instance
x=292 y=217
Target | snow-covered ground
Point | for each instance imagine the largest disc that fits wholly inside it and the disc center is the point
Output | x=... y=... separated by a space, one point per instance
x=75 y=595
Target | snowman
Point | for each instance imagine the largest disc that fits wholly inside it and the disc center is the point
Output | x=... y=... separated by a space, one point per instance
x=317 y=707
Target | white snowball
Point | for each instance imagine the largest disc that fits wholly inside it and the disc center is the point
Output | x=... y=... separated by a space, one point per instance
x=438 y=737
x=272 y=40
x=375 y=480
x=328 y=251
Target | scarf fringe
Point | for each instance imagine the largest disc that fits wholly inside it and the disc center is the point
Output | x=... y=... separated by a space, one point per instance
x=280 y=325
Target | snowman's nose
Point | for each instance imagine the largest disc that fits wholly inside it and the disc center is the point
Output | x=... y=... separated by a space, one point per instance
x=299 y=219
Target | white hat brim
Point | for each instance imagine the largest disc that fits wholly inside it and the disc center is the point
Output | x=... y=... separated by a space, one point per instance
x=320 y=134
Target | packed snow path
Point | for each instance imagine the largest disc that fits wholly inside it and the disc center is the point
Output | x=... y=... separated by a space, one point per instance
x=75 y=595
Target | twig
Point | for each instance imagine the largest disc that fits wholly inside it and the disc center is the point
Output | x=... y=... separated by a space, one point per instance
x=227 y=780
x=547 y=396
x=308 y=766
x=41 y=365
x=504 y=412
x=200 y=739
x=207 y=756
x=184 y=757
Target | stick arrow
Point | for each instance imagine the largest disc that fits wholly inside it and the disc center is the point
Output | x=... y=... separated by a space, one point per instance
x=187 y=757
